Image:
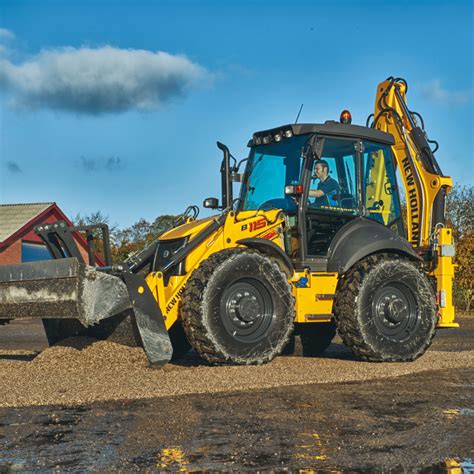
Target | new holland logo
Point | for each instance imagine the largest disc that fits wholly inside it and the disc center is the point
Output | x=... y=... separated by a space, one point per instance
x=175 y=299
x=412 y=201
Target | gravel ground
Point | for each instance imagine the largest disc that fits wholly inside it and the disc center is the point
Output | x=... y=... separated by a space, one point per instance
x=83 y=371
x=418 y=423
x=270 y=418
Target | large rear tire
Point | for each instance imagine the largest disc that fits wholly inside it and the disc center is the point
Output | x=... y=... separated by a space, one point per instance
x=385 y=310
x=238 y=308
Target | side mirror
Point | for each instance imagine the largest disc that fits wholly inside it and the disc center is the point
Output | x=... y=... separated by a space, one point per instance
x=210 y=203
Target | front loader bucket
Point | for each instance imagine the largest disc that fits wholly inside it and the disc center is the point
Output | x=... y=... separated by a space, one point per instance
x=67 y=289
x=57 y=289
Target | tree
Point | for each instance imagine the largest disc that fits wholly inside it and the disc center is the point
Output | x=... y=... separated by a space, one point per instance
x=464 y=279
x=131 y=239
x=90 y=219
x=460 y=210
x=460 y=216
x=163 y=223
x=139 y=235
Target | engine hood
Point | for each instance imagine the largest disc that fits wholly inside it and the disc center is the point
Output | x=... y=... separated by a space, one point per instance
x=188 y=229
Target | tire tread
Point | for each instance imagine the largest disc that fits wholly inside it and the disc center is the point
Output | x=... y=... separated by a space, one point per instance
x=345 y=311
x=191 y=311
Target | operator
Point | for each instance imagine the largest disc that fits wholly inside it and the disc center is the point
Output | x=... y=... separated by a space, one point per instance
x=328 y=190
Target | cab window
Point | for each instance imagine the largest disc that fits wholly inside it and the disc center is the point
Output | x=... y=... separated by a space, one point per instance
x=333 y=185
x=380 y=186
x=270 y=168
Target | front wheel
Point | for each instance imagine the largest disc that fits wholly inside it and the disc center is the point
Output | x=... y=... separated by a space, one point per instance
x=385 y=310
x=237 y=308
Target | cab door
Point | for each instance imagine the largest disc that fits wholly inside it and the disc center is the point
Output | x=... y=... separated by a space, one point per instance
x=323 y=217
x=379 y=186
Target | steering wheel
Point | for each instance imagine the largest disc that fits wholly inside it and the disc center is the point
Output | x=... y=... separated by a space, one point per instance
x=287 y=204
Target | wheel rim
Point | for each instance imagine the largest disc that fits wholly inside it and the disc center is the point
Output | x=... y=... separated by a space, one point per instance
x=395 y=311
x=246 y=310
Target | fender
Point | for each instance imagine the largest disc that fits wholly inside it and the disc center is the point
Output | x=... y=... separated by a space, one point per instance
x=271 y=250
x=362 y=237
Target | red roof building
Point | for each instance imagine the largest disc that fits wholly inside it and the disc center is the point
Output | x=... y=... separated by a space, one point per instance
x=18 y=241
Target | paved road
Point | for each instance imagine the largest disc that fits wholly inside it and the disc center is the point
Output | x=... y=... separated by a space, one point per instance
x=420 y=422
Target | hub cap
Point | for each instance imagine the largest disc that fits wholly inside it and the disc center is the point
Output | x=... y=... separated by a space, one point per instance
x=394 y=311
x=247 y=309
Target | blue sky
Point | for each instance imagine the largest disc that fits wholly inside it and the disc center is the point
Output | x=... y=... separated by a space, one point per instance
x=142 y=142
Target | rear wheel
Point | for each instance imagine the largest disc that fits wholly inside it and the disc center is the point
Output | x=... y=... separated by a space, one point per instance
x=385 y=310
x=237 y=308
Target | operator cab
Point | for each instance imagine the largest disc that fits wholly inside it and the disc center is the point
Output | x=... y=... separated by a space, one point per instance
x=323 y=176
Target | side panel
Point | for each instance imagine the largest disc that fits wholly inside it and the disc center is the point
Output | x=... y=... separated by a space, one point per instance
x=315 y=300
x=360 y=238
x=444 y=274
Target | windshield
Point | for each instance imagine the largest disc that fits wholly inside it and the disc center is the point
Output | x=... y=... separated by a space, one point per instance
x=270 y=168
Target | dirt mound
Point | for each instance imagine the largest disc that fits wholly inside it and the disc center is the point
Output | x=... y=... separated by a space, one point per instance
x=88 y=353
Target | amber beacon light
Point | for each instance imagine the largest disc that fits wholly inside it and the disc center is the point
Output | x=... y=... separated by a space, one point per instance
x=346 y=117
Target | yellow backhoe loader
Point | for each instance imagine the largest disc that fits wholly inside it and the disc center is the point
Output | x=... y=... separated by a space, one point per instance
x=314 y=242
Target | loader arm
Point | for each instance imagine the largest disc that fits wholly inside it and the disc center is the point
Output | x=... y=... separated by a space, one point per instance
x=66 y=288
x=425 y=187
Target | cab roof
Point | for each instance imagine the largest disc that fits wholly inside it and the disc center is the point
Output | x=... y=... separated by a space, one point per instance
x=328 y=128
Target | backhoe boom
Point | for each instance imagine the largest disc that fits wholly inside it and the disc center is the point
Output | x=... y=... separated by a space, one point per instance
x=425 y=186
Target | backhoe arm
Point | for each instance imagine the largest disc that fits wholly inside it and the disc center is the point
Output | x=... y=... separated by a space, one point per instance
x=425 y=186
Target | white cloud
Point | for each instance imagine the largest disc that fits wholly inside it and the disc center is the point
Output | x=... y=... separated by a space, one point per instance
x=100 y=80
x=435 y=92
x=5 y=37
x=6 y=34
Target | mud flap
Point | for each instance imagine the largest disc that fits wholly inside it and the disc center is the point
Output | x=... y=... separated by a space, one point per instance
x=149 y=319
